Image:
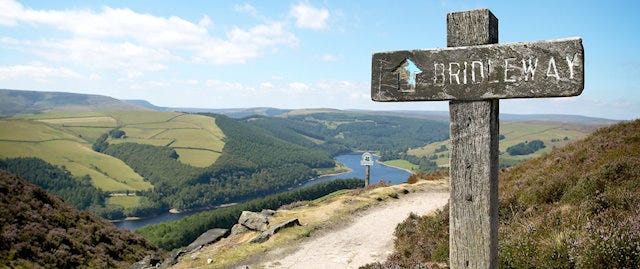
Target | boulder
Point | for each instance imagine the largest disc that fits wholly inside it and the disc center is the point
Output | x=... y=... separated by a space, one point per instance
x=254 y=221
x=264 y=236
x=268 y=212
x=173 y=259
x=238 y=229
x=207 y=238
x=150 y=261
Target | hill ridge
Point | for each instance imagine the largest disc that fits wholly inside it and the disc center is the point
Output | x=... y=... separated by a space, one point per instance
x=18 y=102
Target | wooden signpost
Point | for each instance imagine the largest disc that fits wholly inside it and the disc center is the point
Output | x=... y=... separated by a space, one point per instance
x=474 y=73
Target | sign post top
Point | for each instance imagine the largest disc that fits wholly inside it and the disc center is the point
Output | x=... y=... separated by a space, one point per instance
x=367 y=159
x=551 y=68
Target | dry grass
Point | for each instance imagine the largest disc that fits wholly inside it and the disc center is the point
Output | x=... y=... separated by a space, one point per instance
x=317 y=217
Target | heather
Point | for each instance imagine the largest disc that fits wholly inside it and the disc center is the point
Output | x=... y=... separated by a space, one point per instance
x=39 y=230
x=577 y=207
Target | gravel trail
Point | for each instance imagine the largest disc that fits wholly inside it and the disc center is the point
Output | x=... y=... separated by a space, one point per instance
x=367 y=239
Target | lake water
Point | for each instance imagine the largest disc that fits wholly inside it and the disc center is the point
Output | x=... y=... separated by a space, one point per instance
x=378 y=172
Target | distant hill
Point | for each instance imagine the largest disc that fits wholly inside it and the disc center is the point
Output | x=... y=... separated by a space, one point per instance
x=444 y=115
x=14 y=102
x=147 y=104
x=41 y=230
x=576 y=207
x=238 y=113
x=576 y=119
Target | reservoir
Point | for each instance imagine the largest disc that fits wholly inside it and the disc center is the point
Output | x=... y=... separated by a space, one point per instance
x=389 y=174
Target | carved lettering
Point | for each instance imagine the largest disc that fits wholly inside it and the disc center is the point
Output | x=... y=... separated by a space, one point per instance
x=511 y=70
x=473 y=71
x=508 y=67
x=464 y=73
x=529 y=69
x=456 y=74
x=571 y=63
x=552 y=63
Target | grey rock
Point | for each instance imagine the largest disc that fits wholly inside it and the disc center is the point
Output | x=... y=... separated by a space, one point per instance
x=207 y=238
x=254 y=221
x=268 y=212
x=238 y=229
x=173 y=259
x=264 y=236
x=149 y=261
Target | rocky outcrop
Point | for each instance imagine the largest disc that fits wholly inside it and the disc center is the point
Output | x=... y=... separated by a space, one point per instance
x=264 y=236
x=207 y=238
x=254 y=221
x=150 y=261
x=239 y=229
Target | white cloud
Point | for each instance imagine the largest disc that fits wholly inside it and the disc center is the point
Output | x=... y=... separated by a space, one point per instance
x=330 y=58
x=38 y=72
x=122 y=38
x=266 y=85
x=205 y=22
x=298 y=87
x=309 y=17
x=247 y=9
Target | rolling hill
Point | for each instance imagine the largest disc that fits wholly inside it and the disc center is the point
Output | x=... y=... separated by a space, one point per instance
x=554 y=134
x=155 y=160
x=14 y=102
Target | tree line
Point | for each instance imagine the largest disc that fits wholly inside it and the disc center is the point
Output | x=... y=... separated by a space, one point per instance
x=253 y=164
x=526 y=147
x=56 y=180
x=175 y=234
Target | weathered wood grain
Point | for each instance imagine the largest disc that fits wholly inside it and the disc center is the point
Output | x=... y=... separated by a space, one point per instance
x=474 y=130
x=551 y=68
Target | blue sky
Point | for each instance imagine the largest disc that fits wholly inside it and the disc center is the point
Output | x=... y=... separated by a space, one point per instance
x=293 y=54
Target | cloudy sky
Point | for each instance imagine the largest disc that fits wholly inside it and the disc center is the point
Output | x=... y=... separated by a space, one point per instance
x=293 y=54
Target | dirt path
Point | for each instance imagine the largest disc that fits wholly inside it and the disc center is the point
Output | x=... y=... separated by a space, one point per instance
x=368 y=239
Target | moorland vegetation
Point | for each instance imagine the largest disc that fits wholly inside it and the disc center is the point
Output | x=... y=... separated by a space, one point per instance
x=576 y=207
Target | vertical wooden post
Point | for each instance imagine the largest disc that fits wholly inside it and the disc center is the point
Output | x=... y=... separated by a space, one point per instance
x=367 y=173
x=474 y=134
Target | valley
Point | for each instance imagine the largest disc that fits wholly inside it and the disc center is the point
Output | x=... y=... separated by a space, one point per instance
x=148 y=162
x=141 y=163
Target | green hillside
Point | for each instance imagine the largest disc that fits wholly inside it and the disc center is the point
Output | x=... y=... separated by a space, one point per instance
x=552 y=134
x=196 y=138
x=63 y=147
x=65 y=139
x=339 y=131
x=576 y=207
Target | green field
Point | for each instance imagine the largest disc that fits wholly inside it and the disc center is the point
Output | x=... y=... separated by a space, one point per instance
x=124 y=201
x=196 y=138
x=54 y=144
x=553 y=134
x=65 y=139
x=404 y=164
